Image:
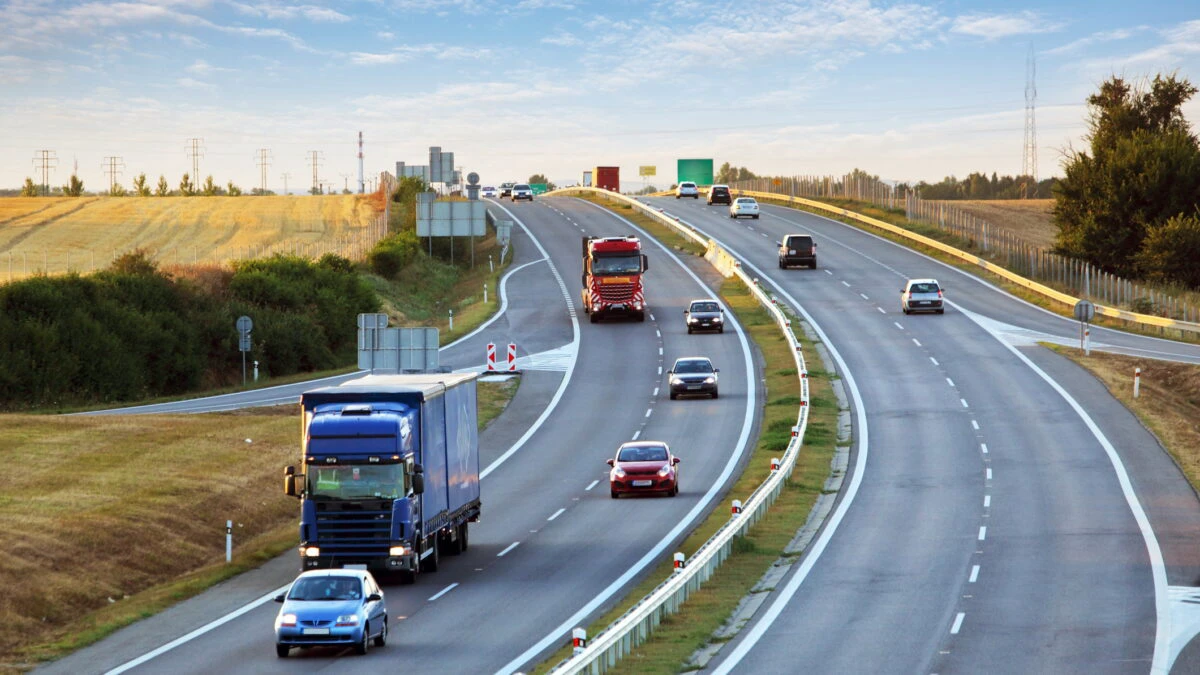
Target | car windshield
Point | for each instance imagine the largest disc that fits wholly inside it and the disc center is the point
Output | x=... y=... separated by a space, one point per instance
x=704 y=307
x=370 y=481
x=625 y=264
x=924 y=288
x=520 y=187
x=326 y=588
x=693 y=367
x=644 y=453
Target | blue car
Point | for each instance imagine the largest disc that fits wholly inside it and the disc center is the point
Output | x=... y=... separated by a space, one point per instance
x=331 y=607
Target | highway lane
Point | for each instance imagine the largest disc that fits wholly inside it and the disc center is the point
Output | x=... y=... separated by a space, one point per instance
x=1005 y=547
x=551 y=542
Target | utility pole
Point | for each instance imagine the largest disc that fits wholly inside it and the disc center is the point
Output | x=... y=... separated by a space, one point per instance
x=264 y=160
x=345 y=181
x=45 y=161
x=195 y=150
x=360 y=163
x=1029 y=153
x=316 y=156
x=112 y=166
x=286 y=176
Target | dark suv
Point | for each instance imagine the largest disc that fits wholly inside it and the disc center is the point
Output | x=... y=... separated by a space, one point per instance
x=797 y=249
x=719 y=194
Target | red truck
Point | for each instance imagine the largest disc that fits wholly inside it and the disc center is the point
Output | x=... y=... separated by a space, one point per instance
x=612 y=277
x=607 y=178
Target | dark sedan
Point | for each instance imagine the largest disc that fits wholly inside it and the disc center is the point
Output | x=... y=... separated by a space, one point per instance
x=704 y=315
x=693 y=376
x=644 y=466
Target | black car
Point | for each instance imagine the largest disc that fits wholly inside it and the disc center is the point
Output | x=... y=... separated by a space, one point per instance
x=506 y=190
x=704 y=315
x=719 y=194
x=797 y=249
x=693 y=376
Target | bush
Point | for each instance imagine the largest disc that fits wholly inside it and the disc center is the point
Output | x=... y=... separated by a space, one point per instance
x=393 y=253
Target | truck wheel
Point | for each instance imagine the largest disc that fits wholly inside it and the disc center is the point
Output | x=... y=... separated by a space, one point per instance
x=282 y=651
x=593 y=317
x=463 y=539
x=430 y=562
x=641 y=317
x=365 y=642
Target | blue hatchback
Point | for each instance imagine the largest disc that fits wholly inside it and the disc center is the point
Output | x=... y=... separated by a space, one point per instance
x=332 y=607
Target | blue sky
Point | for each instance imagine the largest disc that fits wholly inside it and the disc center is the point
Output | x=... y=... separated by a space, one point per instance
x=907 y=90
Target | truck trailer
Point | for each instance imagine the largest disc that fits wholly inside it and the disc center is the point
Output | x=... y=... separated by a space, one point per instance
x=613 y=268
x=607 y=178
x=389 y=475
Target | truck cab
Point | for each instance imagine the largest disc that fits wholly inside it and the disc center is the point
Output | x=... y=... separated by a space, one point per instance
x=613 y=269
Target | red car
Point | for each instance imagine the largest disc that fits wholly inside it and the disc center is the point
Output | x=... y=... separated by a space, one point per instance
x=643 y=466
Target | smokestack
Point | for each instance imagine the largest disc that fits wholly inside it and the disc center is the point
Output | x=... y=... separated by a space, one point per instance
x=361 y=185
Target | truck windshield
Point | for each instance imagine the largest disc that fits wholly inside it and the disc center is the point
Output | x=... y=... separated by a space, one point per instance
x=626 y=264
x=357 y=481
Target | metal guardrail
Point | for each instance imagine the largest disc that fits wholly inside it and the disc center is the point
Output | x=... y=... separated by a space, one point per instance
x=635 y=626
x=1058 y=296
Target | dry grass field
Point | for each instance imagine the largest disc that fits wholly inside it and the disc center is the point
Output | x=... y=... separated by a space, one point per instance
x=1028 y=219
x=57 y=234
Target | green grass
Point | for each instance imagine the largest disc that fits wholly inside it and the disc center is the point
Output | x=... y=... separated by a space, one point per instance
x=678 y=636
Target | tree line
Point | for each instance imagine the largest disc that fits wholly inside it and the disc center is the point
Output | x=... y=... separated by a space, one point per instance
x=980 y=186
x=142 y=188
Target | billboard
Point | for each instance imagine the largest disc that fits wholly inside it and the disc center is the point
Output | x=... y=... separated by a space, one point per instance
x=647 y=171
x=699 y=171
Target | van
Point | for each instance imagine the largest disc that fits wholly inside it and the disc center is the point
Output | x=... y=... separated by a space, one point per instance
x=797 y=249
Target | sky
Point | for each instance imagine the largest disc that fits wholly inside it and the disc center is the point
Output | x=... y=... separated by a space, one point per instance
x=909 y=91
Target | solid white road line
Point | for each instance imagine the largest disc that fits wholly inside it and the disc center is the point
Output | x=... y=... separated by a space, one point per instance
x=592 y=484
x=556 y=514
x=444 y=591
x=957 y=623
x=510 y=547
x=974 y=574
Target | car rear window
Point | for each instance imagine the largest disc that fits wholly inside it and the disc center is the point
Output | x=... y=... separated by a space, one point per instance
x=745 y=200
x=799 y=241
x=720 y=190
x=924 y=288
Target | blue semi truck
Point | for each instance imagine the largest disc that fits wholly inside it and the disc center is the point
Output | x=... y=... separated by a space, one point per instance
x=390 y=472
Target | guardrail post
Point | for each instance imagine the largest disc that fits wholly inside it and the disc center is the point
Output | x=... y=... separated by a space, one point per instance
x=680 y=563
x=737 y=507
x=578 y=640
x=774 y=464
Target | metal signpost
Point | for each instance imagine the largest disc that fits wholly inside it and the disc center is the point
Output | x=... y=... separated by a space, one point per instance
x=1085 y=311
x=244 y=326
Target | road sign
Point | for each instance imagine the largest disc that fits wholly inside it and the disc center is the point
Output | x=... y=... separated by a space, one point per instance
x=647 y=171
x=244 y=324
x=1085 y=311
x=244 y=342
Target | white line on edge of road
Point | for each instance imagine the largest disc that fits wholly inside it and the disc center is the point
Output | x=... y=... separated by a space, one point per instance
x=444 y=591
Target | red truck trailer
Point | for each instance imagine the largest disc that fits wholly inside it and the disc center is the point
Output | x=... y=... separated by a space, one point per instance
x=612 y=277
x=607 y=178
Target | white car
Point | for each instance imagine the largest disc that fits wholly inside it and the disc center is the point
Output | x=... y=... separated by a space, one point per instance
x=744 y=206
x=921 y=295
x=687 y=189
x=522 y=191
x=489 y=191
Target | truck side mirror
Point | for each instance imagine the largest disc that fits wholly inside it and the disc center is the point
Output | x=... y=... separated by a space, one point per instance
x=418 y=469
x=645 y=262
x=418 y=484
x=289 y=481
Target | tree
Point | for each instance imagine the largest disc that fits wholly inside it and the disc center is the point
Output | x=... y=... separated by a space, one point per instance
x=234 y=191
x=139 y=186
x=163 y=189
x=74 y=188
x=185 y=186
x=29 y=189
x=117 y=190
x=1170 y=251
x=1143 y=171
x=210 y=188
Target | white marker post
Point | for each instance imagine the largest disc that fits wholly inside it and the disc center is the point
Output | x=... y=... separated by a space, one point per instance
x=1137 y=381
x=228 y=541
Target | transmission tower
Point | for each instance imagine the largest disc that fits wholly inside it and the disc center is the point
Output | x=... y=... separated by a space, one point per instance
x=113 y=166
x=263 y=159
x=286 y=176
x=345 y=181
x=315 y=157
x=45 y=161
x=195 y=150
x=1029 y=161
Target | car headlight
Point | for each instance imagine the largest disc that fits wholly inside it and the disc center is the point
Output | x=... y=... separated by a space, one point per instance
x=288 y=620
x=717 y=319
x=347 y=620
x=692 y=319
x=619 y=472
x=676 y=380
x=396 y=551
x=665 y=471
x=709 y=380
x=310 y=552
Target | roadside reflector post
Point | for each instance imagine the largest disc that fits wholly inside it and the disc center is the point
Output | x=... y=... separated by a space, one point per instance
x=679 y=562
x=228 y=540
x=485 y=292
x=512 y=358
x=491 y=357
x=1137 y=382
x=737 y=507
x=795 y=431
x=774 y=463
x=451 y=321
x=578 y=639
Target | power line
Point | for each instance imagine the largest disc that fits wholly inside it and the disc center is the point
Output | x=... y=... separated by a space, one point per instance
x=45 y=161
x=195 y=150
x=113 y=167
x=263 y=159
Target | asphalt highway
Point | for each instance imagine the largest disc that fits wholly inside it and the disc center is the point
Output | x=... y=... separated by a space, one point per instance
x=1007 y=514
x=552 y=549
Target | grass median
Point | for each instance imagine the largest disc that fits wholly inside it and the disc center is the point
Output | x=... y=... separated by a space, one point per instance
x=679 y=635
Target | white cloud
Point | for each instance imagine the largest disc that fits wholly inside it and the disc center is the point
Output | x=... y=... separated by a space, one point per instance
x=1095 y=38
x=369 y=59
x=385 y=35
x=287 y=12
x=563 y=39
x=190 y=83
x=202 y=68
x=996 y=26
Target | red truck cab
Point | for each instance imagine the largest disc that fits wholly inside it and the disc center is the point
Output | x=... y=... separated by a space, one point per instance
x=612 y=277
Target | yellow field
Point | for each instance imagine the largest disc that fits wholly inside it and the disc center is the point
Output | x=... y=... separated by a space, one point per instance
x=1028 y=219
x=57 y=234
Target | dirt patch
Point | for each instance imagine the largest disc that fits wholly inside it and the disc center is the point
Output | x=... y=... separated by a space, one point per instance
x=1028 y=219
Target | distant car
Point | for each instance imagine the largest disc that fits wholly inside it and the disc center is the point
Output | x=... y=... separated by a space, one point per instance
x=331 y=607
x=744 y=206
x=693 y=376
x=489 y=191
x=522 y=191
x=704 y=315
x=506 y=190
x=641 y=467
x=797 y=249
x=921 y=295
x=719 y=194
x=687 y=189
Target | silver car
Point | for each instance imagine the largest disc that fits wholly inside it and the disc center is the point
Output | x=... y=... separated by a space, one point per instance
x=744 y=206
x=921 y=295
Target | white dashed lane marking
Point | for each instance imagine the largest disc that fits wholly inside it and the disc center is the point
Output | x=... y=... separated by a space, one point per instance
x=556 y=514
x=510 y=547
x=958 y=620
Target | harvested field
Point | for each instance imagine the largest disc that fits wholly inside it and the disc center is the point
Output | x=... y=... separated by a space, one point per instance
x=1028 y=219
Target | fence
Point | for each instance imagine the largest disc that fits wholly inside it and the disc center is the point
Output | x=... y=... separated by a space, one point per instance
x=635 y=626
x=997 y=244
